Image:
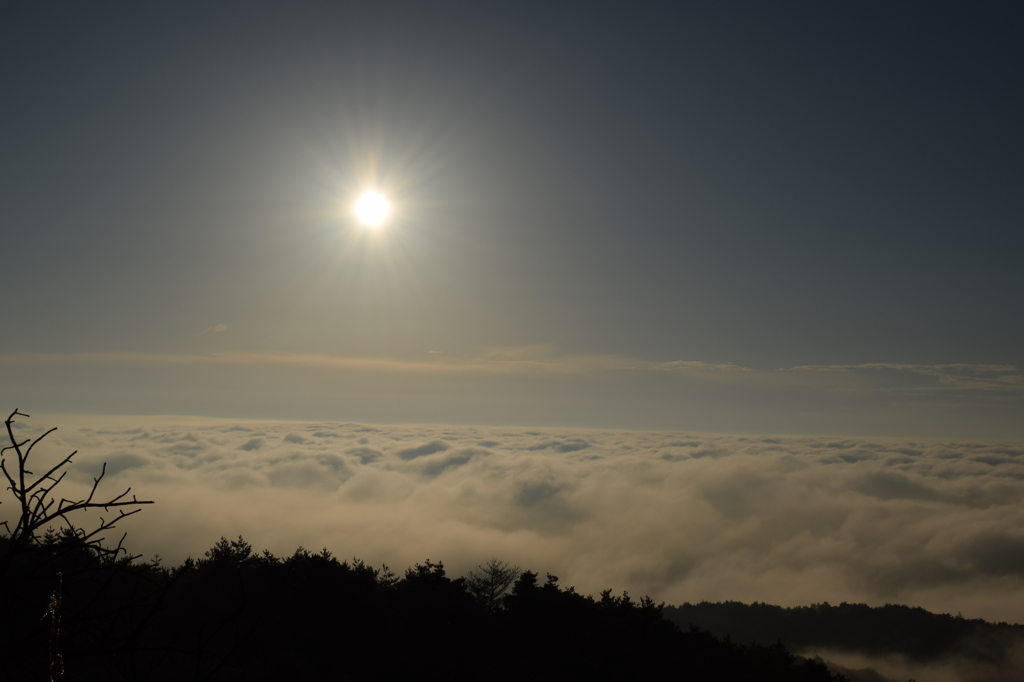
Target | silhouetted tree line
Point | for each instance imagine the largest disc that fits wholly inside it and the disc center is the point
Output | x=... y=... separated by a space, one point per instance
x=892 y=628
x=239 y=615
x=75 y=608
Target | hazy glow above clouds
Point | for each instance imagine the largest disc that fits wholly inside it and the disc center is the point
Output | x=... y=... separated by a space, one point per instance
x=541 y=360
x=529 y=385
x=679 y=516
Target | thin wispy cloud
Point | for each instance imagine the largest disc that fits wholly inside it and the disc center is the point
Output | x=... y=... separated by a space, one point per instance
x=541 y=360
x=946 y=377
x=532 y=385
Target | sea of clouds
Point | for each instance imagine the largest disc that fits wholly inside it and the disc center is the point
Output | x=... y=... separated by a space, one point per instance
x=677 y=516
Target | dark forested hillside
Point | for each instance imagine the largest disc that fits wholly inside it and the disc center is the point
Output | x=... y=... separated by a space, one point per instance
x=910 y=631
x=240 y=615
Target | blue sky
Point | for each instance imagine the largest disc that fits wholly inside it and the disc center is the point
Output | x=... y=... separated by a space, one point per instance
x=742 y=217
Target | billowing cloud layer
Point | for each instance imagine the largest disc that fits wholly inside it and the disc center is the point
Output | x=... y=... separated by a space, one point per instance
x=678 y=516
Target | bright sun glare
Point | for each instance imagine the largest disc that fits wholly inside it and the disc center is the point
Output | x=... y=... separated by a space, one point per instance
x=372 y=209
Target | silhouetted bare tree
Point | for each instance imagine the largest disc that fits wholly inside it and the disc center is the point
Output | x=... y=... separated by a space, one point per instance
x=39 y=509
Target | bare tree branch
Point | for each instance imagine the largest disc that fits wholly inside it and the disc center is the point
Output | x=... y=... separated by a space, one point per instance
x=36 y=501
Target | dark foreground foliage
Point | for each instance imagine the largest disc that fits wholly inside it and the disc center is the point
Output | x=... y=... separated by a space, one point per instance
x=238 y=615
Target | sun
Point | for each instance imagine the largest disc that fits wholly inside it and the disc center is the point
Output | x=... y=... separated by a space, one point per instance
x=372 y=209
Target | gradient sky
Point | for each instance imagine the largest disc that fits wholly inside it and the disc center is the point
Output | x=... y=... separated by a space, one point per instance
x=731 y=217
